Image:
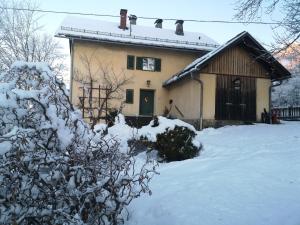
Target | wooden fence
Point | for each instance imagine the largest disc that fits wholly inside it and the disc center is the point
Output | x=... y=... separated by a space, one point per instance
x=287 y=113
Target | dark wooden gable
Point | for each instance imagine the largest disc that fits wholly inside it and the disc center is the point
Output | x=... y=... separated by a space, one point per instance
x=240 y=56
x=236 y=61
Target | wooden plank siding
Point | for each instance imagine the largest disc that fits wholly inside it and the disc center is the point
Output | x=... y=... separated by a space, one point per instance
x=235 y=102
x=236 y=61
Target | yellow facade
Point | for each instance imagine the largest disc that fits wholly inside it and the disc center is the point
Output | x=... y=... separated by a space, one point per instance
x=262 y=96
x=114 y=57
x=185 y=94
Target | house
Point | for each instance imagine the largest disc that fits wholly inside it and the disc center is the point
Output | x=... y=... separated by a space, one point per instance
x=187 y=74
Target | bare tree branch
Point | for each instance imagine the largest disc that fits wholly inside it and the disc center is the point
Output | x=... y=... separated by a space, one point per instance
x=21 y=37
x=95 y=72
x=285 y=34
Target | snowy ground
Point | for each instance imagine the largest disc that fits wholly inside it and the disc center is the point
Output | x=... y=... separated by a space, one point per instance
x=246 y=175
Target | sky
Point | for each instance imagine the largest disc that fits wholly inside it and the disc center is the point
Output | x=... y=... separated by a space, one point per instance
x=179 y=9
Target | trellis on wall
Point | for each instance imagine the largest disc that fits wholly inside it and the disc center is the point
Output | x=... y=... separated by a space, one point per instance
x=93 y=102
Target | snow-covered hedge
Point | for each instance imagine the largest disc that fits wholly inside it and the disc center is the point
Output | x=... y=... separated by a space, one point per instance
x=173 y=138
x=177 y=144
x=53 y=168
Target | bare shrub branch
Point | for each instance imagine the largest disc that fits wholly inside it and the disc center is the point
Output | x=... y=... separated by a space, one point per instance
x=53 y=168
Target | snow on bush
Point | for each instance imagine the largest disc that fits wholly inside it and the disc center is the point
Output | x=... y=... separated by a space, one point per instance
x=177 y=144
x=53 y=168
x=183 y=143
x=150 y=131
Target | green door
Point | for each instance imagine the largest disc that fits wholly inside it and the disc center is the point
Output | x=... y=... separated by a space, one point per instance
x=146 y=102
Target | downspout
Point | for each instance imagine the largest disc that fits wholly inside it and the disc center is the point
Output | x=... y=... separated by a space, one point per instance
x=71 y=43
x=270 y=97
x=201 y=99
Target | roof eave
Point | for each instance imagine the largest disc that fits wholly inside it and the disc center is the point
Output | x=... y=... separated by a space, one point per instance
x=94 y=39
x=281 y=78
x=234 y=41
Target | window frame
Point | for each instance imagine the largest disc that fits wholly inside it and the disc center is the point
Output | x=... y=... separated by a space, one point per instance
x=130 y=66
x=140 y=64
x=132 y=96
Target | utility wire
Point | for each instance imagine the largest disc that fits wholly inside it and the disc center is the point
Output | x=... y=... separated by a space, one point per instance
x=141 y=17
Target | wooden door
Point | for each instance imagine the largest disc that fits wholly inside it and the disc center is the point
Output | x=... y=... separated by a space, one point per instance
x=146 y=102
x=235 y=98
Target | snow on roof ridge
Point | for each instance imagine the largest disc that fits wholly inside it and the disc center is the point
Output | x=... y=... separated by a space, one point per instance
x=137 y=37
x=105 y=30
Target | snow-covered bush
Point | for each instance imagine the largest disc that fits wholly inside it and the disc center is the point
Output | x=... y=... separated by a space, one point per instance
x=53 y=168
x=177 y=144
x=172 y=138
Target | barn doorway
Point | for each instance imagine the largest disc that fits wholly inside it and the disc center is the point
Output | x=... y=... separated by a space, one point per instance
x=235 y=98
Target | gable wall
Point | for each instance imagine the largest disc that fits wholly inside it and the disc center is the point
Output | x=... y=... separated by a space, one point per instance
x=236 y=61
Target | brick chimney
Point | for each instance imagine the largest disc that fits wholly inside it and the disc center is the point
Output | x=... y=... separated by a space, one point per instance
x=158 y=23
x=132 y=19
x=179 y=27
x=123 y=19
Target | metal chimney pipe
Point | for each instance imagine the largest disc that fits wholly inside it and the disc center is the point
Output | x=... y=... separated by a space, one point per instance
x=132 y=19
x=179 y=27
x=158 y=23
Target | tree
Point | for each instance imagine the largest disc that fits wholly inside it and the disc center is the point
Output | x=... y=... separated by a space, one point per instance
x=21 y=37
x=95 y=72
x=250 y=10
x=288 y=93
x=53 y=168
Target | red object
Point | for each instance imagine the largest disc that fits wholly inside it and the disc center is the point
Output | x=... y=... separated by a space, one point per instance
x=274 y=118
x=123 y=19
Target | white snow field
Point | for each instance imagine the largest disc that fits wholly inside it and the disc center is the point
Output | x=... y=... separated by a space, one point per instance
x=246 y=175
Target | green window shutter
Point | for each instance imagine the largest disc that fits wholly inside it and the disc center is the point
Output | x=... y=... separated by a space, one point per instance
x=139 y=63
x=158 y=65
x=129 y=96
x=130 y=62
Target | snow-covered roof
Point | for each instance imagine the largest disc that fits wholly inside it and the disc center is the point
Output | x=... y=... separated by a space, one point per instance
x=85 y=28
x=198 y=63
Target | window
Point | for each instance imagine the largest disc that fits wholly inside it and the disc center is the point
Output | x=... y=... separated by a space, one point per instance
x=237 y=84
x=129 y=96
x=148 y=64
x=130 y=62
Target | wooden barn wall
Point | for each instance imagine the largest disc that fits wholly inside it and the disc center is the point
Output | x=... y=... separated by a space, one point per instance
x=233 y=103
x=236 y=61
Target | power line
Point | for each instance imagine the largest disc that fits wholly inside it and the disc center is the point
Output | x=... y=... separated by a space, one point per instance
x=142 y=17
x=58 y=12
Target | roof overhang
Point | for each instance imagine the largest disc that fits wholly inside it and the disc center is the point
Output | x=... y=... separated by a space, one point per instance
x=128 y=43
x=276 y=70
